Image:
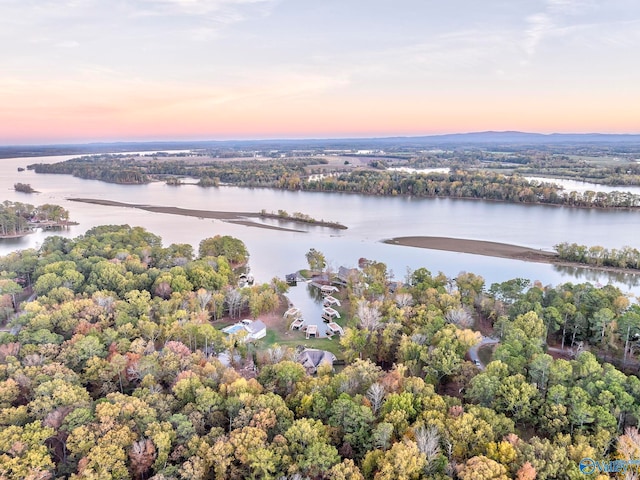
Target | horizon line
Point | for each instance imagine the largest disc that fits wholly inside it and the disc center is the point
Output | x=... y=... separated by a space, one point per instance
x=315 y=139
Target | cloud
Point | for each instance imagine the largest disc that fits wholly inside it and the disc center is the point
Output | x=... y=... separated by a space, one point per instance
x=540 y=26
x=558 y=18
x=224 y=11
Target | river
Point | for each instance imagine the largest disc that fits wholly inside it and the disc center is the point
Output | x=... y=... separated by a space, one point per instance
x=369 y=220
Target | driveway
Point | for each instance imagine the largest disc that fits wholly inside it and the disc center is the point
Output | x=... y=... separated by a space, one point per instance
x=473 y=351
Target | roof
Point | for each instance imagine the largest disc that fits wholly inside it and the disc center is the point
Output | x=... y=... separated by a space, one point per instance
x=256 y=326
x=312 y=358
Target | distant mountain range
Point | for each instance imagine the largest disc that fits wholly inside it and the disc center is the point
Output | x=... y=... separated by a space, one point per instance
x=530 y=138
x=477 y=139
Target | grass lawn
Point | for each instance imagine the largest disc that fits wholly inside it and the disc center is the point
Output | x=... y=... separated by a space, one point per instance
x=294 y=338
x=278 y=332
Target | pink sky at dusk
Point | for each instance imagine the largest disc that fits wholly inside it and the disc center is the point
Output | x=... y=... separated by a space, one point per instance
x=241 y=69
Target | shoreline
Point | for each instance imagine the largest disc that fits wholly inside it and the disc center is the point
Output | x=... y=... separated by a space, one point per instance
x=231 y=217
x=496 y=249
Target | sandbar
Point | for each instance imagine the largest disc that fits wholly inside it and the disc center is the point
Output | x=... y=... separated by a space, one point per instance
x=477 y=247
x=496 y=249
x=232 y=217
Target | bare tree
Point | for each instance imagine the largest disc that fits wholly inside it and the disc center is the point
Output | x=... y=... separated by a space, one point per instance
x=369 y=314
x=459 y=316
x=404 y=300
x=234 y=302
x=376 y=394
x=428 y=441
x=204 y=297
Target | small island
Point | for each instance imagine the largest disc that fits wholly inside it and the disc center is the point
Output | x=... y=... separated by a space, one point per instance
x=24 y=188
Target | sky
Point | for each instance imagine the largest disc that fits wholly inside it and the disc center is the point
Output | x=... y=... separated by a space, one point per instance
x=124 y=70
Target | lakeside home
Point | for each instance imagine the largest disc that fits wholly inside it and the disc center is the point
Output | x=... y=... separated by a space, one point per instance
x=311 y=359
x=255 y=329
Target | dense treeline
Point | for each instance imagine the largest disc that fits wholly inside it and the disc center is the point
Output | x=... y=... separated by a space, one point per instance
x=293 y=174
x=112 y=372
x=18 y=218
x=596 y=166
x=117 y=169
x=625 y=257
x=469 y=184
x=619 y=174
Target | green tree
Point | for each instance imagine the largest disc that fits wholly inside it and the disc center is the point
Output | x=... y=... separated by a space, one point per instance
x=233 y=249
x=316 y=260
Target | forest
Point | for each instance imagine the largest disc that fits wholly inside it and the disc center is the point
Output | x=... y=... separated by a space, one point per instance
x=625 y=257
x=114 y=370
x=471 y=180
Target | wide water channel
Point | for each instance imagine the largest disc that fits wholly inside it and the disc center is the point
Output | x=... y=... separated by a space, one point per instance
x=369 y=220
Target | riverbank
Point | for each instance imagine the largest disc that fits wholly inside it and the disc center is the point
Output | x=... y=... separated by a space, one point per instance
x=495 y=249
x=232 y=217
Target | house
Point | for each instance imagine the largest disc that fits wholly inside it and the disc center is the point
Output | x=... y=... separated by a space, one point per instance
x=311 y=359
x=255 y=329
x=345 y=275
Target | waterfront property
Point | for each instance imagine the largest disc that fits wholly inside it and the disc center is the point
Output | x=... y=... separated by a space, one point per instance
x=311 y=359
x=255 y=329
